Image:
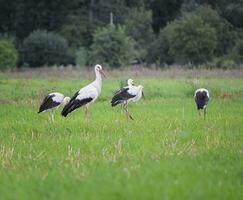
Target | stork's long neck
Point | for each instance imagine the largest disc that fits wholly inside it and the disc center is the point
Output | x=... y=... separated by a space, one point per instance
x=98 y=80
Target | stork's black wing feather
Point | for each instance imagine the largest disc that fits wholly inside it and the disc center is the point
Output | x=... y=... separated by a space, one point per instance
x=121 y=96
x=201 y=99
x=48 y=103
x=74 y=104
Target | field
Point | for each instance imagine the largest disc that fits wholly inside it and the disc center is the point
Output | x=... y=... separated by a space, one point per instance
x=167 y=152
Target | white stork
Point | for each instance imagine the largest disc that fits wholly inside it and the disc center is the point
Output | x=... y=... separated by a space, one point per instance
x=201 y=97
x=86 y=95
x=53 y=100
x=129 y=83
x=127 y=94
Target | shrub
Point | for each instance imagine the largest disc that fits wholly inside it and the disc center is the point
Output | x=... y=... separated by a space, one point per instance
x=45 y=48
x=113 y=47
x=226 y=36
x=8 y=54
x=191 y=40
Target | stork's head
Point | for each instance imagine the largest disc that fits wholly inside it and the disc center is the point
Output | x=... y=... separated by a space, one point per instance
x=98 y=69
x=141 y=89
x=130 y=82
x=66 y=100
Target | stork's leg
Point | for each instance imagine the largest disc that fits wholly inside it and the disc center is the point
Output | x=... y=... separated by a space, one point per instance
x=199 y=112
x=122 y=108
x=127 y=112
x=204 y=113
x=52 y=116
x=86 y=115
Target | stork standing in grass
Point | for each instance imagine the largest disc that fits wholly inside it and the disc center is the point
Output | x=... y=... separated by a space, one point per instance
x=129 y=83
x=53 y=100
x=201 y=98
x=125 y=95
x=86 y=95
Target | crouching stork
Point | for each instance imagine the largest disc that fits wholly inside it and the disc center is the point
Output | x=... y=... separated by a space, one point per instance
x=201 y=98
x=53 y=100
x=125 y=95
x=86 y=95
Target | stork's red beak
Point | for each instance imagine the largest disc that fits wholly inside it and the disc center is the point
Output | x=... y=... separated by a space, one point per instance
x=103 y=73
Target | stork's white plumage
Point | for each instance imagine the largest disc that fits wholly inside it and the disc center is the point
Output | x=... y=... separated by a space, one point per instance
x=86 y=95
x=201 y=98
x=127 y=94
x=130 y=82
x=53 y=100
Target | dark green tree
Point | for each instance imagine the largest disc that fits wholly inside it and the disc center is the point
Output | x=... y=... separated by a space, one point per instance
x=45 y=48
x=164 y=11
x=159 y=51
x=21 y=17
x=8 y=54
x=191 y=40
x=239 y=51
x=226 y=35
x=139 y=27
x=77 y=31
x=112 y=47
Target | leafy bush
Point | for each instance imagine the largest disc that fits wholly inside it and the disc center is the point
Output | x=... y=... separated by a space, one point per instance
x=199 y=36
x=45 y=48
x=113 y=47
x=8 y=54
x=225 y=34
x=191 y=40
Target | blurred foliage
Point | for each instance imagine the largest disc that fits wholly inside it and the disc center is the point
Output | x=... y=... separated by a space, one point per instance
x=113 y=47
x=139 y=27
x=239 y=51
x=164 y=11
x=191 y=40
x=147 y=22
x=45 y=48
x=197 y=37
x=77 y=31
x=81 y=57
x=8 y=54
x=225 y=34
x=159 y=50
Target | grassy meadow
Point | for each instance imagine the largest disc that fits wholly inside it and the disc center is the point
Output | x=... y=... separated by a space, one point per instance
x=167 y=152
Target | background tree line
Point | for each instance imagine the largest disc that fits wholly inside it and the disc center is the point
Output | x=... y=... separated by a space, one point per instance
x=161 y=32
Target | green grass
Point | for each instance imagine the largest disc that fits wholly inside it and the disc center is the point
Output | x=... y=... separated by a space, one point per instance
x=168 y=152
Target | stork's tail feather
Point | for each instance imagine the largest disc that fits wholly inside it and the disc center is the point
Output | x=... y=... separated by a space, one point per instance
x=72 y=105
x=41 y=110
x=65 y=110
x=114 y=103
